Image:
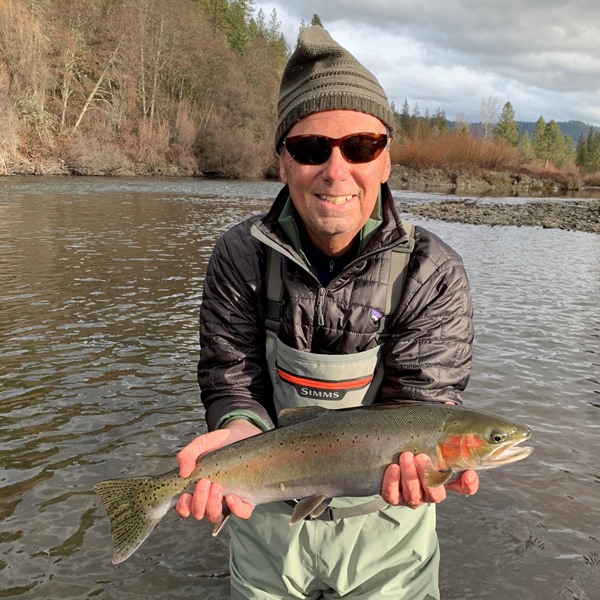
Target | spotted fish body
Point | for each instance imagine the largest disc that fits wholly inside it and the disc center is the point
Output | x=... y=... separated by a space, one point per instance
x=317 y=454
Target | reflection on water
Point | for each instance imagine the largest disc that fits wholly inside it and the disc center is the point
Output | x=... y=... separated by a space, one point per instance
x=100 y=282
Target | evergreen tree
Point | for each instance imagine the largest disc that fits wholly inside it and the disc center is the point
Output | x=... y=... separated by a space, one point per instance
x=526 y=146
x=404 y=118
x=539 y=139
x=588 y=151
x=582 y=153
x=270 y=32
x=507 y=129
x=217 y=12
x=238 y=32
x=555 y=143
x=439 y=121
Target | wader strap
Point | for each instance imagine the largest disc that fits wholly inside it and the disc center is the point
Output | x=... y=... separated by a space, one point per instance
x=345 y=512
x=398 y=272
x=274 y=291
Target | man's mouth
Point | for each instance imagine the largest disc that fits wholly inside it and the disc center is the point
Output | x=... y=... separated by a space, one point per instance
x=334 y=199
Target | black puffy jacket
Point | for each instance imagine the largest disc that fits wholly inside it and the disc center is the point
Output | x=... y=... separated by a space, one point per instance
x=427 y=355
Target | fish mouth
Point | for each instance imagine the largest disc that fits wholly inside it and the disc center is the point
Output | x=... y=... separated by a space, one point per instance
x=509 y=454
x=511 y=451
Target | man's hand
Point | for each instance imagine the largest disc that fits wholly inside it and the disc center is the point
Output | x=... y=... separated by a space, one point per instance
x=207 y=499
x=403 y=483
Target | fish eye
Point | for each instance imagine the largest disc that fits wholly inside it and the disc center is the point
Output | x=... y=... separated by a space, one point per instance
x=497 y=436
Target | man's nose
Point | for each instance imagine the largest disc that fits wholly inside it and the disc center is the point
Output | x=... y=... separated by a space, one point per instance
x=336 y=166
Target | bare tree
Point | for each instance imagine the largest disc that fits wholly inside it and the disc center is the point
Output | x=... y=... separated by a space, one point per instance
x=489 y=115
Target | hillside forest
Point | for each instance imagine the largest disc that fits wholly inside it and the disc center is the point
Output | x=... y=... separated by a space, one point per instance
x=189 y=87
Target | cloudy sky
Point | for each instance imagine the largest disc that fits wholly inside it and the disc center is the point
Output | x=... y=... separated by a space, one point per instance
x=461 y=55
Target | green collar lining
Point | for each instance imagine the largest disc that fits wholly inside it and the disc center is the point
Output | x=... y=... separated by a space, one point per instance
x=287 y=221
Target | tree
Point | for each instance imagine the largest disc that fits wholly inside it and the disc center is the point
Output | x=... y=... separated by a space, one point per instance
x=489 y=114
x=588 y=151
x=551 y=145
x=23 y=59
x=526 y=146
x=404 y=118
x=539 y=139
x=271 y=32
x=439 y=122
x=238 y=17
x=507 y=129
x=217 y=11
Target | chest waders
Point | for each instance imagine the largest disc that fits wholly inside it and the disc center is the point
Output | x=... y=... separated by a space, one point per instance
x=331 y=381
x=384 y=552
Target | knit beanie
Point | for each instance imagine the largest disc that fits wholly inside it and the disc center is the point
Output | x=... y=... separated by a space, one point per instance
x=321 y=75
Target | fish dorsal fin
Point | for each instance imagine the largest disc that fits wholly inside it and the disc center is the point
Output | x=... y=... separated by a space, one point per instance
x=289 y=416
x=313 y=506
x=435 y=477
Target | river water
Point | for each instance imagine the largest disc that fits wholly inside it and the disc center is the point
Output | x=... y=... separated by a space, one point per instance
x=100 y=282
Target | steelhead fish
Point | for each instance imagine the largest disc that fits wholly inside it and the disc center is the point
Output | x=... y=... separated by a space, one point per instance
x=317 y=454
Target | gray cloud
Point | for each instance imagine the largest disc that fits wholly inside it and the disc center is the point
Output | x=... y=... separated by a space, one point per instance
x=541 y=55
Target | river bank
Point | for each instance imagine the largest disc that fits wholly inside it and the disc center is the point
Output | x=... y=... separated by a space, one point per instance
x=480 y=208
x=541 y=201
x=575 y=215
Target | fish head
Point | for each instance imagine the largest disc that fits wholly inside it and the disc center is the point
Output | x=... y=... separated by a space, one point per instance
x=479 y=440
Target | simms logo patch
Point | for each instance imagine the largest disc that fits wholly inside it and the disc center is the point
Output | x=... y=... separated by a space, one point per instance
x=320 y=389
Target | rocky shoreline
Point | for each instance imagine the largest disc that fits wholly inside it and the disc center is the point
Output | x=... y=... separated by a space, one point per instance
x=480 y=208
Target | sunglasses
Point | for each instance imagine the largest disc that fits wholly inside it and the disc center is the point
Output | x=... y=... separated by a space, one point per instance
x=355 y=148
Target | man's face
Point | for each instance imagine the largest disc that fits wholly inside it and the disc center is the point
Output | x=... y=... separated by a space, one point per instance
x=335 y=199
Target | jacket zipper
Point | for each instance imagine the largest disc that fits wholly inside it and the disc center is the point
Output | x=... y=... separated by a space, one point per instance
x=320 y=301
x=321 y=294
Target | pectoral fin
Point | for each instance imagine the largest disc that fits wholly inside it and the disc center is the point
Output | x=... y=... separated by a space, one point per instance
x=221 y=522
x=435 y=477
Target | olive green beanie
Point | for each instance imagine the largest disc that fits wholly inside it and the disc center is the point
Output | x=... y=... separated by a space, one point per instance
x=321 y=75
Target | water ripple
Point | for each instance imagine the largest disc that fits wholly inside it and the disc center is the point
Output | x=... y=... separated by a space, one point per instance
x=100 y=282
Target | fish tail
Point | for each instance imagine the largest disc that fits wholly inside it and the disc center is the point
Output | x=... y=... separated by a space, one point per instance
x=135 y=506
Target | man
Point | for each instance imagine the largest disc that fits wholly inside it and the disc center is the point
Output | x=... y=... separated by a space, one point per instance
x=318 y=295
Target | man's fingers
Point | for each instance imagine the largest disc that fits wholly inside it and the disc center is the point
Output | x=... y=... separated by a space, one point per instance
x=430 y=494
x=238 y=507
x=467 y=484
x=188 y=456
x=390 y=486
x=184 y=506
x=214 y=503
x=200 y=498
x=411 y=491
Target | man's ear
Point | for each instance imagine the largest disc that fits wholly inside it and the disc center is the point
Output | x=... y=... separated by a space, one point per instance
x=387 y=169
x=282 y=173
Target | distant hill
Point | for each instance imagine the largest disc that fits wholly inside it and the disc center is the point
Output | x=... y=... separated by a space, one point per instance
x=574 y=129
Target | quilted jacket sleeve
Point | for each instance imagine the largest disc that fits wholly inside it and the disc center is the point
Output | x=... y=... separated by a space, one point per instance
x=429 y=353
x=232 y=370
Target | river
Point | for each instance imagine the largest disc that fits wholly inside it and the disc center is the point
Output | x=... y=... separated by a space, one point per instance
x=100 y=282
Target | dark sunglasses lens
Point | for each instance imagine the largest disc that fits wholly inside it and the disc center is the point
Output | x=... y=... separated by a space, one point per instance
x=316 y=149
x=363 y=148
x=309 y=149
